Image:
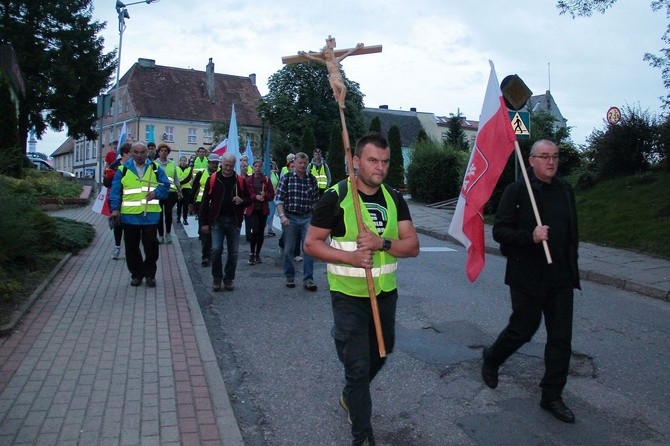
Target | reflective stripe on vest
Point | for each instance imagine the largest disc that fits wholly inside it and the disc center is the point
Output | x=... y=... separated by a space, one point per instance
x=320 y=175
x=170 y=171
x=350 y=280
x=134 y=194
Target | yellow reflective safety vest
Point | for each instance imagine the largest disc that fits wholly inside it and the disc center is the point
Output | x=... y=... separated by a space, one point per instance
x=319 y=172
x=203 y=181
x=199 y=165
x=351 y=280
x=170 y=171
x=134 y=194
x=183 y=174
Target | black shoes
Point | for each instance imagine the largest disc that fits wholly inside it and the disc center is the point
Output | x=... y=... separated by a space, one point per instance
x=151 y=282
x=559 y=410
x=228 y=285
x=136 y=281
x=489 y=372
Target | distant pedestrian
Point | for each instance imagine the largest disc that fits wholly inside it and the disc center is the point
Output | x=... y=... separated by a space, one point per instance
x=109 y=174
x=167 y=205
x=538 y=288
x=137 y=187
x=320 y=170
x=296 y=195
x=185 y=174
x=222 y=213
x=198 y=192
x=261 y=192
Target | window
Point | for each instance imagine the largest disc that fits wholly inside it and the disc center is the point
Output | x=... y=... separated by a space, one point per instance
x=168 y=136
x=207 y=136
x=149 y=133
x=192 y=135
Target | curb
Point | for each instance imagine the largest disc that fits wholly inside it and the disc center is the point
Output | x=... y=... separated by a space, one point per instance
x=591 y=276
x=27 y=305
x=226 y=421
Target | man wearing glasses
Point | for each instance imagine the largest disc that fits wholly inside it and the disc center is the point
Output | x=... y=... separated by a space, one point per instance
x=537 y=288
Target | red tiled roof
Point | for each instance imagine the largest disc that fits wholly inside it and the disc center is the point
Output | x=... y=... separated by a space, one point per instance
x=178 y=93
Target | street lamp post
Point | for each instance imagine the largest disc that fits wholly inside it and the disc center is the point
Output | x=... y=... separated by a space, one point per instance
x=122 y=12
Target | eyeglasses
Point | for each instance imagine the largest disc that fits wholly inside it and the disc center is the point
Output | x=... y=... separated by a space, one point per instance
x=546 y=158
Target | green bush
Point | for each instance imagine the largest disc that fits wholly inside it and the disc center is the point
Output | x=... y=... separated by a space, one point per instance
x=435 y=173
x=71 y=236
x=33 y=242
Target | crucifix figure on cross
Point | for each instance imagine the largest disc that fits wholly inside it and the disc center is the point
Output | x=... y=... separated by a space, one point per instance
x=331 y=58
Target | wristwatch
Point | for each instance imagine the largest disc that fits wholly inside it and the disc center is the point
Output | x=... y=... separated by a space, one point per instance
x=387 y=245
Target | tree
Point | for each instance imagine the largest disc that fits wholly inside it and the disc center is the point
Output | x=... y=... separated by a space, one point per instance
x=585 y=8
x=375 y=125
x=11 y=156
x=396 y=175
x=62 y=62
x=335 y=155
x=300 y=96
x=456 y=134
x=627 y=147
x=308 y=143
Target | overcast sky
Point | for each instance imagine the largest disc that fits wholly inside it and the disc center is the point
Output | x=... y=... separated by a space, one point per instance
x=435 y=52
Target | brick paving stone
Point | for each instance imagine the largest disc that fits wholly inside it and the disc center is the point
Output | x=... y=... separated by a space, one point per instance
x=98 y=361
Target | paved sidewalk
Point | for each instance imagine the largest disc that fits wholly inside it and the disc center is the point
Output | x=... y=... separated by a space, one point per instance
x=96 y=361
x=624 y=269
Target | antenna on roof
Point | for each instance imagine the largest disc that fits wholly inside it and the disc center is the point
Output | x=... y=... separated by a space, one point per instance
x=549 y=74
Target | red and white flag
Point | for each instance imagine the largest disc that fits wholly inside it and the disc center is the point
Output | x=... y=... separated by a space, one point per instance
x=493 y=146
x=221 y=147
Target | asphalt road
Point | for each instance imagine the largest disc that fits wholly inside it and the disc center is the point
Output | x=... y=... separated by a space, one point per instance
x=283 y=377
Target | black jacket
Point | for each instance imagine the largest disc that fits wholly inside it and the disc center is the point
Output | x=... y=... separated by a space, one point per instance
x=513 y=229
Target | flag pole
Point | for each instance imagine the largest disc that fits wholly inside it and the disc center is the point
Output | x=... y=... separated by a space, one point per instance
x=517 y=150
x=361 y=226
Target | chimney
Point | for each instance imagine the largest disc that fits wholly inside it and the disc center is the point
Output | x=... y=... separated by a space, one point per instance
x=146 y=63
x=412 y=109
x=252 y=78
x=384 y=107
x=210 y=80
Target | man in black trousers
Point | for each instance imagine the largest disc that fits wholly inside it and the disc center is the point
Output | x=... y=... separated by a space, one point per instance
x=538 y=288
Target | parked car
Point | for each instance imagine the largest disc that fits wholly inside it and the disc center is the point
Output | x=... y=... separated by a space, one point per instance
x=43 y=166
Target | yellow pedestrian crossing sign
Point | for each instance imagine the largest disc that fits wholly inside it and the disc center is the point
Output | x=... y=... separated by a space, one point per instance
x=520 y=123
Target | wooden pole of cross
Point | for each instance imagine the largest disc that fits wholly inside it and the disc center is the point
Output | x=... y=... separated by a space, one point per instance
x=332 y=58
x=147 y=183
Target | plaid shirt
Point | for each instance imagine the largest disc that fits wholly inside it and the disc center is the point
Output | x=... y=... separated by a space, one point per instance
x=298 y=195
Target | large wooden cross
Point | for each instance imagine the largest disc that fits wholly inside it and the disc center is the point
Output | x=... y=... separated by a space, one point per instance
x=332 y=58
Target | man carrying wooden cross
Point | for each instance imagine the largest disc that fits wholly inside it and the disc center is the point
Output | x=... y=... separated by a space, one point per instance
x=388 y=233
x=136 y=189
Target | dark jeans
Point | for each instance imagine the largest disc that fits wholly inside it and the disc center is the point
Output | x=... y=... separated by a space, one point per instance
x=118 y=235
x=527 y=310
x=182 y=205
x=139 y=266
x=166 y=213
x=356 y=344
x=224 y=228
x=295 y=232
x=256 y=231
